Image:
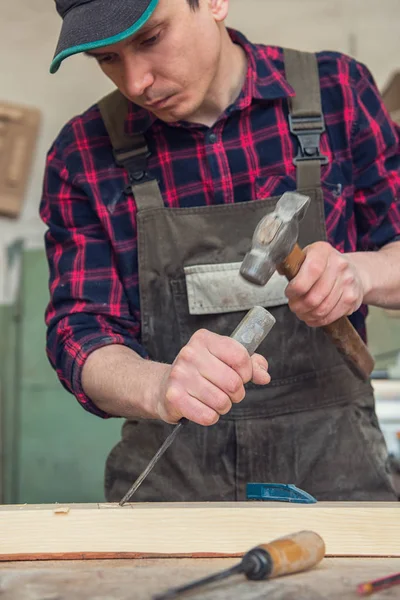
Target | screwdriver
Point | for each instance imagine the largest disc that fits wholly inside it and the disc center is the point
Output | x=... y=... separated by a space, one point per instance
x=283 y=556
x=250 y=332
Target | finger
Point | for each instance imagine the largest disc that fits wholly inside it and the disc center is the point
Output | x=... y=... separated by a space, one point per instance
x=224 y=378
x=346 y=306
x=233 y=354
x=335 y=313
x=178 y=404
x=327 y=306
x=322 y=297
x=310 y=271
x=209 y=394
x=260 y=370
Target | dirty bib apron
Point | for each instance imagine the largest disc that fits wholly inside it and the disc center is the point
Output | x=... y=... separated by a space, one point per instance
x=314 y=425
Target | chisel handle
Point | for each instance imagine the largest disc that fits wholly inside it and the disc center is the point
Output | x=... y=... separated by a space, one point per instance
x=290 y=554
x=254 y=328
x=341 y=332
x=251 y=331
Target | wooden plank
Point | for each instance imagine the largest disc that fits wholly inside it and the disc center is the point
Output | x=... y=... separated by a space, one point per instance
x=204 y=529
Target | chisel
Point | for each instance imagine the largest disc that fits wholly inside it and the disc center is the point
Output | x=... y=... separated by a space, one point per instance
x=284 y=556
x=250 y=332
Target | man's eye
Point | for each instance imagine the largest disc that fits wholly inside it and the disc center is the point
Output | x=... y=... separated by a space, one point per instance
x=106 y=59
x=151 y=41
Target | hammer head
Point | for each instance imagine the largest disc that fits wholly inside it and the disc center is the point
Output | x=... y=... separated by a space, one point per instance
x=274 y=238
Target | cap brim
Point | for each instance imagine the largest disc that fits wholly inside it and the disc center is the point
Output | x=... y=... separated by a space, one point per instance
x=95 y=25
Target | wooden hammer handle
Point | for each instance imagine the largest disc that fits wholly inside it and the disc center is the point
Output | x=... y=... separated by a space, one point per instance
x=341 y=332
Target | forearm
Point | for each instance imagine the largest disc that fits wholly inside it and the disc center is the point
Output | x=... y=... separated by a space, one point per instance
x=206 y=378
x=123 y=384
x=380 y=273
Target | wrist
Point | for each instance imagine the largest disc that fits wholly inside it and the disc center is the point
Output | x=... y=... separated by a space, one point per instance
x=361 y=263
x=122 y=383
x=154 y=389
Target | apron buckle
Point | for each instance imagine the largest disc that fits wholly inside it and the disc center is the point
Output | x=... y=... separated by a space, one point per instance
x=308 y=131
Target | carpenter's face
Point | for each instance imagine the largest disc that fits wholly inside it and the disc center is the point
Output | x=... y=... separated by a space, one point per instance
x=169 y=65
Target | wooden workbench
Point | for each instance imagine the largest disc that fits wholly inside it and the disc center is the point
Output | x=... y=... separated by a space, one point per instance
x=140 y=579
x=136 y=551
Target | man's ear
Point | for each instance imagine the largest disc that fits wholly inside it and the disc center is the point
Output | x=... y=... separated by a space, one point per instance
x=219 y=9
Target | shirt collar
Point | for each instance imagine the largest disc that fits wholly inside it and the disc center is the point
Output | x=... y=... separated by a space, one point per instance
x=264 y=81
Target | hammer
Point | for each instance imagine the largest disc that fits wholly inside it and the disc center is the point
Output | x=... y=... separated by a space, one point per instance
x=275 y=248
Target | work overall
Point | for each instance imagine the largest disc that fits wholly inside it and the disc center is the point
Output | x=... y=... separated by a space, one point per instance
x=314 y=425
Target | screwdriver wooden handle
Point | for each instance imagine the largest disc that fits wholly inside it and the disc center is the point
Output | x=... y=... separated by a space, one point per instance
x=295 y=553
x=290 y=554
x=341 y=331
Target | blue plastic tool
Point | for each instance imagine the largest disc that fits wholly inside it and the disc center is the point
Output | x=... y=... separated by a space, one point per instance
x=278 y=492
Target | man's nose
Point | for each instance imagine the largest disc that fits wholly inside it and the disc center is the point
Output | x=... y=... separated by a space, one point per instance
x=137 y=76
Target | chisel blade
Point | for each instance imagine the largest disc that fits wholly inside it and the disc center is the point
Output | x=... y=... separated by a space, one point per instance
x=153 y=461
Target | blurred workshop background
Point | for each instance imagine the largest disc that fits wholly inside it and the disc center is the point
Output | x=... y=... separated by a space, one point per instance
x=50 y=450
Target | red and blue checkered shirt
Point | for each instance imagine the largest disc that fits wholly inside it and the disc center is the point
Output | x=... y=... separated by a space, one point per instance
x=248 y=154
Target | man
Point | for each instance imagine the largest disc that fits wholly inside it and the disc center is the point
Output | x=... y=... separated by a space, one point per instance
x=151 y=198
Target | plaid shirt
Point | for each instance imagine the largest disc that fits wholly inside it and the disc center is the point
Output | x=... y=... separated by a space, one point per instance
x=91 y=240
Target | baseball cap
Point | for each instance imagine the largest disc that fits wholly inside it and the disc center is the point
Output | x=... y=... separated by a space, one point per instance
x=89 y=24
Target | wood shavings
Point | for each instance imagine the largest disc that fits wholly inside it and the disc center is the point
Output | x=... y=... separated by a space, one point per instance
x=62 y=510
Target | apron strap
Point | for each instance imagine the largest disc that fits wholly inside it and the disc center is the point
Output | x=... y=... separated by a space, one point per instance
x=306 y=119
x=130 y=151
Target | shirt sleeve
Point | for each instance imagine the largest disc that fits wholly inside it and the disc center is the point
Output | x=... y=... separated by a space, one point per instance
x=376 y=162
x=88 y=307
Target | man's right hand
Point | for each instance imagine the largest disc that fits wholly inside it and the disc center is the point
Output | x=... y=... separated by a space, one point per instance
x=207 y=377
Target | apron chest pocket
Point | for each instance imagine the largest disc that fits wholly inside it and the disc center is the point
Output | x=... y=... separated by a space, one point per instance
x=219 y=288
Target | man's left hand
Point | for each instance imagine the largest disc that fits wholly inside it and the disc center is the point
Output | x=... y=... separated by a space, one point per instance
x=327 y=286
